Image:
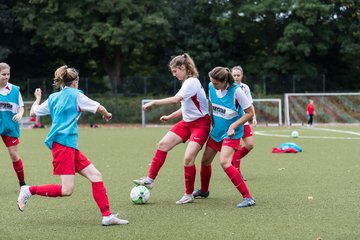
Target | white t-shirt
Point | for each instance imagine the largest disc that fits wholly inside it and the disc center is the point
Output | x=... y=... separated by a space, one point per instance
x=84 y=103
x=239 y=96
x=7 y=89
x=247 y=91
x=194 y=104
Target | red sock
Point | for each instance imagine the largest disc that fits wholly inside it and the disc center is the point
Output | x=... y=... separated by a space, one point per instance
x=205 y=175
x=236 y=159
x=237 y=180
x=50 y=190
x=101 y=198
x=157 y=162
x=19 y=170
x=243 y=152
x=189 y=175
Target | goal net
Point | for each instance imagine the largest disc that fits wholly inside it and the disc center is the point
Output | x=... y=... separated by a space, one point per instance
x=268 y=112
x=330 y=108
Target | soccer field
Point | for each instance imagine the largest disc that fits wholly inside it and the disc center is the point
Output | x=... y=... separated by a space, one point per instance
x=309 y=195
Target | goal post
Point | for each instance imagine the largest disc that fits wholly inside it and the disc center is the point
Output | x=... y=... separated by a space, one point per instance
x=25 y=121
x=330 y=108
x=268 y=112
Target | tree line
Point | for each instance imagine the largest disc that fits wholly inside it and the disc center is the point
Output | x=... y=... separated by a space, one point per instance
x=114 y=39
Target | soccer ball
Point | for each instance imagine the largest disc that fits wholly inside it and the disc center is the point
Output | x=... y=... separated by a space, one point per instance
x=295 y=134
x=139 y=194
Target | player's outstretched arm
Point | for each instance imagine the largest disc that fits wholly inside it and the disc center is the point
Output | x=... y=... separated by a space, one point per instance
x=105 y=114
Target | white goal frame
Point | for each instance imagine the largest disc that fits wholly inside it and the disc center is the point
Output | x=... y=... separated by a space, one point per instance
x=278 y=101
x=287 y=107
x=25 y=120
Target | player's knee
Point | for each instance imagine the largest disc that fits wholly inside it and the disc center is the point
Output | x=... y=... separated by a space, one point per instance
x=250 y=146
x=96 y=177
x=188 y=161
x=164 y=146
x=67 y=191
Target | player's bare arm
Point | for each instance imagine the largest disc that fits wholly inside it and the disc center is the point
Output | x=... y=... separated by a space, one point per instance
x=37 y=95
x=165 y=101
x=249 y=113
x=105 y=114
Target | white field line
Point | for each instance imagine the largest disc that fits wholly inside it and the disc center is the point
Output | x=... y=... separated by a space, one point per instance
x=269 y=133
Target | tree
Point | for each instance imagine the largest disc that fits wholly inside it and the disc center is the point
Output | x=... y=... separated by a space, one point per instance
x=108 y=32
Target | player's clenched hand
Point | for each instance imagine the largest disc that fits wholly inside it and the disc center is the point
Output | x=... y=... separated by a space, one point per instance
x=164 y=118
x=148 y=106
x=107 y=117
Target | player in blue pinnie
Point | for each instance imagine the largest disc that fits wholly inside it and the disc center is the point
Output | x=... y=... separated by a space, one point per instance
x=230 y=110
x=65 y=107
x=11 y=112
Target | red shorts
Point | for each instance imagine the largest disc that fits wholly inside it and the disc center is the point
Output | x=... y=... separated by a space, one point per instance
x=247 y=131
x=197 y=131
x=10 y=141
x=234 y=143
x=67 y=160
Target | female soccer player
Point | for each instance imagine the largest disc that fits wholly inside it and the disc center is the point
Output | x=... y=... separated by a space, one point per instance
x=238 y=74
x=230 y=110
x=11 y=112
x=65 y=108
x=194 y=126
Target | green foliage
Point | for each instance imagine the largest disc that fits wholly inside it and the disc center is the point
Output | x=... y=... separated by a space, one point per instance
x=121 y=38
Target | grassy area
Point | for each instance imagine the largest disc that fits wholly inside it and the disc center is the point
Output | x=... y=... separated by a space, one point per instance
x=310 y=195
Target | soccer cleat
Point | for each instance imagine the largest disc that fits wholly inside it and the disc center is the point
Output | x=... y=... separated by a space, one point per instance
x=247 y=202
x=199 y=193
x=144 y=181
x=24 y=196
x=187 y=198
x=112 y=219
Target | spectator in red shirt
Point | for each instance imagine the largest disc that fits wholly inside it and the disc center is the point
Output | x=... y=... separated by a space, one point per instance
x=310 y=111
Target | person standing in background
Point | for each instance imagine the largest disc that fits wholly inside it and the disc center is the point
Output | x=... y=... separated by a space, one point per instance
x=310 y=111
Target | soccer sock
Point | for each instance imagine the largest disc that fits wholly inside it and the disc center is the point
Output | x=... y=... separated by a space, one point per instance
x=50 y=190
x=189 y=175
x=101 y=198
x=205 y=175
x=237 y=180
x=243 y=152
x=157 y=162
x=19 y=170
x=236 y=159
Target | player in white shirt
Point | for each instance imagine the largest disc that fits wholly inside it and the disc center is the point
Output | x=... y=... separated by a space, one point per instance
x=194 y=126
x=11 y=112
x=238 y=74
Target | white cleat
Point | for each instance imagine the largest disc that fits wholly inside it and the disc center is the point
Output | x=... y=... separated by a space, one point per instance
x=112 y=219
x=24 y=196
x=145 y=181
x=187 y=198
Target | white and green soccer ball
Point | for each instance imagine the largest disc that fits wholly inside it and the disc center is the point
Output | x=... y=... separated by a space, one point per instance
x=139 y=194
x=295 y=134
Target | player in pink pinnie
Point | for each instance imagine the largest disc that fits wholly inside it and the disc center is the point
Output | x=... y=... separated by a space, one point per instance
x=194 y=126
